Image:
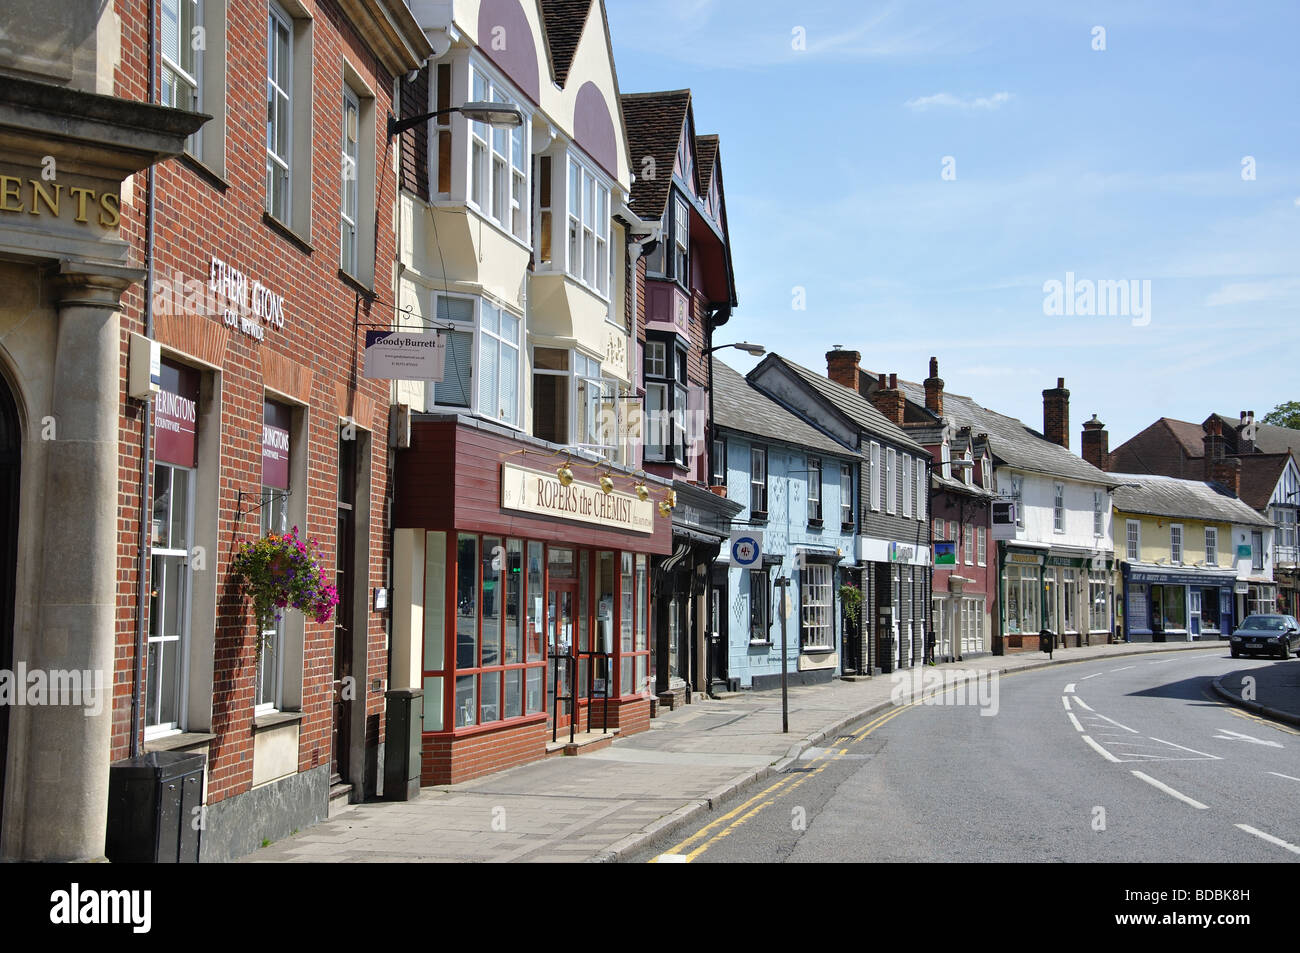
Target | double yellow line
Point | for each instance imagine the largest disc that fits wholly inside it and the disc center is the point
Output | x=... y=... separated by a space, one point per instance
x=702 y=839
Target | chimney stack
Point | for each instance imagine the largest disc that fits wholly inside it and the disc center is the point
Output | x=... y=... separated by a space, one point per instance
x=1214 y=446
x=1056 y=414
x=1096 y=443
x=842 y=368
x=1246 y=432
x=934 y=389
x=889 y=399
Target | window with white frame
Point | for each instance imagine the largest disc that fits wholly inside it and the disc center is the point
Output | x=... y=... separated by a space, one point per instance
x=598 y=408
x=1098 y=523
x=1175 y=544
x=718 y=462
x=1017 y=485
x=945 y=460
x=349 y=193
x=1257 y=551
x=499 y=163
x=1133 y=538
x=552 y=389
x=907 y=486
x=181 y=51
x=588 y=228
x=1058 y=508
x=875 y=479
x=490 y=385
x=1098 y=617
x=169 y=616
x=986 y=471
x=1211 y=546
x=968 y=471
x=816 y=629
x=968 y=543
x=681 y=243
x=891 y=482
x=758 y=481
x=279 y=112
x=938 y=528
x=666 y=401
x=814 y=489
x=846 y=495
x=981 y=541
x=922 y=489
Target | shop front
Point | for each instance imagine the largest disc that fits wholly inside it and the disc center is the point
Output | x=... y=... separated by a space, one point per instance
x=899 y=600
x=1077 y=594
x=522 y=601
x=1022 y=586
x=1175 y=605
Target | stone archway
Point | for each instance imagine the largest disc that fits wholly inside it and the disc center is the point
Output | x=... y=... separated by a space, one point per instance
x=10 y=461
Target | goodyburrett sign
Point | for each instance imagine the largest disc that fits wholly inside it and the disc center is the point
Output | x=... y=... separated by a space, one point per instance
x=542 y=494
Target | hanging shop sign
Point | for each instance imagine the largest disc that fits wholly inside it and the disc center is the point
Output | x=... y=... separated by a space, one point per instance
x=945 y=554
x=176 y=415
x=275 y=445
x=403 y=355
x=542 y=494
x=1004 y=519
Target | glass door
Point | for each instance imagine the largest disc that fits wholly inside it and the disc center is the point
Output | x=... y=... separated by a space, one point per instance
x=561 y=599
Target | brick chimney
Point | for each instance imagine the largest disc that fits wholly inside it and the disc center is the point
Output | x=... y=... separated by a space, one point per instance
x=889 y=399
x=1246 y=432
x=842 y=367
x=1056 y=414
x=1220 y=468
x=1096 y=443
x=934 y=389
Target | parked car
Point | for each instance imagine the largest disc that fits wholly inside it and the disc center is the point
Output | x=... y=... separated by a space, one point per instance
x=1274 y=634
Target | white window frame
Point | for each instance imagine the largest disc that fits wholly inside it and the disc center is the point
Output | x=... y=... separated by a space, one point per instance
x=937 y=530
x=846 y=494
x=968 y=544
x=1211 y=546
x=182 y=641
x=891 y=482
x=477 y=331
x=656 y=356
x=816 y=625
x=908 y=485
x=875 y=478
x=922 y=488
x=1175 y=544
x=1133 y=540
x=499 y=161
x=177 y=73
x=814 y=489
x=1058 y=508
x=587 y=236
x=279 y=165
x=350 y=188
x=1017 y=489
x=681 y=242
x=757 y=486
x=981 y=537
x=1098 y=518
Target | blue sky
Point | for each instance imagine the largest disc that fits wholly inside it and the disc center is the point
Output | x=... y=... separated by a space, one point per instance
x=1122 y=164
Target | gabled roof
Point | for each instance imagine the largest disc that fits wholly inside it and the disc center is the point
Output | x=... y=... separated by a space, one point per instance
x=1269 y=438
x=706 y=150
x=1186 y=499
x=1259 y=475
x=564 y=21
x=850 y=403
x=1189 y=435
x=1010 y=441
x=739 y=405
x=654 y=123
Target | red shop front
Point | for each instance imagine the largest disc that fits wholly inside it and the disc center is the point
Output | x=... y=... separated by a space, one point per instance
x=513 y=586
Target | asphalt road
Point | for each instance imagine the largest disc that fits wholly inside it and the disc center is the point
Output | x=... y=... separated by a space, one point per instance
x=1131 y=760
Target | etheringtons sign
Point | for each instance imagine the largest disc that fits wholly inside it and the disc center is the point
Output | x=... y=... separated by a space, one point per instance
x=544 y=495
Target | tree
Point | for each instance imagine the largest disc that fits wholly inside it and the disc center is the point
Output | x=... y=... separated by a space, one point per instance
x=1285 y=415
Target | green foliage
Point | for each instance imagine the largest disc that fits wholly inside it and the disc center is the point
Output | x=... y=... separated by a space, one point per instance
x=281 y=571
x=1284 y=415
x=851 y=599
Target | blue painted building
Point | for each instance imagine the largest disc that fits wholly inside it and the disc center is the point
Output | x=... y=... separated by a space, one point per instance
x=797 y=487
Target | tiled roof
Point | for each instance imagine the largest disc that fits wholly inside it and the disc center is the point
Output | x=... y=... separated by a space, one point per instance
x=860 y=410
x=564 y=21
x=739 y=405
x=654 y=123
x=1269 y=438
x=1191 y=436
x=706 y=150
x=1010 y=440
x=1174 y=498
x=1259 y=475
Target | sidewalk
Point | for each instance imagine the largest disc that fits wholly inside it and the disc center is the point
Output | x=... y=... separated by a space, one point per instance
x=605 y=804
x=1275 y=691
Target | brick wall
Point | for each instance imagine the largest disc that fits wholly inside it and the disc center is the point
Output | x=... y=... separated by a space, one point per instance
x=319 y=347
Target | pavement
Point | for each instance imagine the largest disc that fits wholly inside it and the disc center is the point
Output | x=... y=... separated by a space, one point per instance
x=1273 y=692
x=605 y=805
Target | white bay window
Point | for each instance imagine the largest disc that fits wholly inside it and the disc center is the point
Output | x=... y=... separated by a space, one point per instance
x=589 y=260
x=482 y=368
x=498 y=163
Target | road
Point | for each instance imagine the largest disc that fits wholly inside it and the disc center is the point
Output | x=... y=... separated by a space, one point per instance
x=1130 y=760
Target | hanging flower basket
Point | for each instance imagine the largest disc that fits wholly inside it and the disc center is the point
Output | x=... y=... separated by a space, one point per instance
x=281 y=571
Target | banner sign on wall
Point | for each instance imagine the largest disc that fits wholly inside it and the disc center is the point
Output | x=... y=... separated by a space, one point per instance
x=275 y=445
x=404 y=355
x=543 y=495
x=177 y=416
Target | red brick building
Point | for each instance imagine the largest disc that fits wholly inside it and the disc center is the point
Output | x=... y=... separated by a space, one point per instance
x=271 y=249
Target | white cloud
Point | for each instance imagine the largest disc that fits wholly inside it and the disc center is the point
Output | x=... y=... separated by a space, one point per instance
x=1245 y=292
x=948 y=99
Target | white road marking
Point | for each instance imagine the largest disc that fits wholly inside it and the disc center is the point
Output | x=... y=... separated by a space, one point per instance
x=1075 y=721
x=1124 y=669
x=1287 y=776
x=1114 y=722
x=1161 y=786
x=1066 y=702
x=1082 y=704
x=672 y=859
x=1238 y=736
x=1093 y=675
x=1100 y=750
x=1212 y=757
x=1270 y=838
x=1069 y=689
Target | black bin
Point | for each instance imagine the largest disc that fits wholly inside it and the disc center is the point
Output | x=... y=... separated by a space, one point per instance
x=155 y=808
x=402 y=744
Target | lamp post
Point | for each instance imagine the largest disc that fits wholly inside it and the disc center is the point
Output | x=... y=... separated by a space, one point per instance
x=497 y=115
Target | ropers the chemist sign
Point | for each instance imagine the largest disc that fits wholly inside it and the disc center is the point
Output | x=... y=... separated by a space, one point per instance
x=542 y=494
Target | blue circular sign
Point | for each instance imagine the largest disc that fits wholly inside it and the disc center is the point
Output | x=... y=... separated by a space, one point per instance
x=746 y=551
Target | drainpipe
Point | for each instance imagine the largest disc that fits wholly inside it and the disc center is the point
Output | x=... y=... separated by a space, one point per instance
x=146 y=423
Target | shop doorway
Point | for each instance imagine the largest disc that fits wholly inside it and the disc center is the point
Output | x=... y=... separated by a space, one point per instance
x=10 y=452
x=340 y=740
x=561 y=619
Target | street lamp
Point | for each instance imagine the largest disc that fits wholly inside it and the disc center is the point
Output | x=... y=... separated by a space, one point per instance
x=497 y=115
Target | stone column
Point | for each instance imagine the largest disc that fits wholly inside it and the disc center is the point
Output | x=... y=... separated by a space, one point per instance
x=68 y=749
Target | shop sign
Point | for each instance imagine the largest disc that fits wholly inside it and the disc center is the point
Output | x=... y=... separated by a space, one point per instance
x=1024 y=559
x=1244 y=551
x=405 y=356
x=1068 y=561
x=275 y=445
x=901 y=553
x=746 y=549
x=1004 y=519
x=247 y=306
x=945 y=554
x=176 y=422
x=40 y=197
x=542 y=494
